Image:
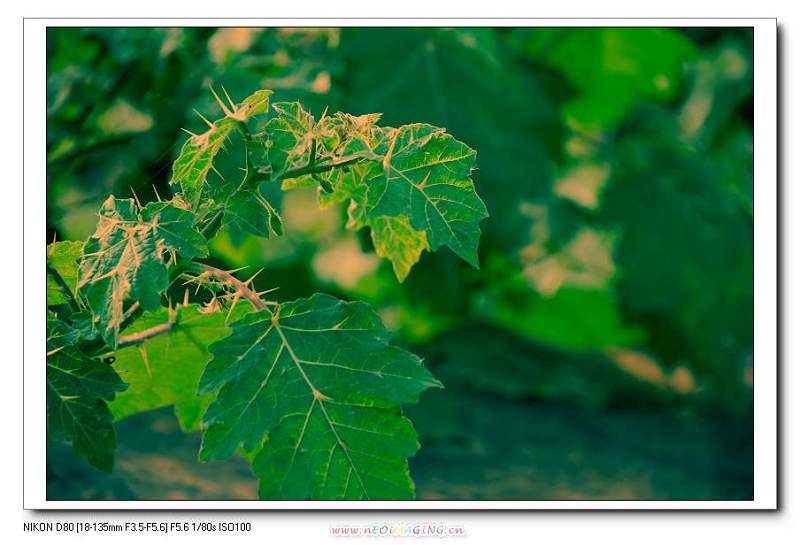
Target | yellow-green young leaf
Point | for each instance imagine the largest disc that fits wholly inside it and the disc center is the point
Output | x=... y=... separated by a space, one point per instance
x=78 y=388
x=62 y=260
x=349 y=186
x=292 y=135
x=165 y=370
x=396 y=240
x=426 y=177
x=196 y=158
x=315 y=389
x=123 y=261
x=342 y=136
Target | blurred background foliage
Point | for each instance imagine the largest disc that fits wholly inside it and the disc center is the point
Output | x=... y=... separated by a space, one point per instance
x=603 y=349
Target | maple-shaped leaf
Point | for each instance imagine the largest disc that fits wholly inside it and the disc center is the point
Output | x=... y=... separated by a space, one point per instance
x=165 y=369
x=392 y=236
x=123 y=261
x=426 y=177
x=78 y=389
x=196 y=158
x=314 y=388
x=62 y=271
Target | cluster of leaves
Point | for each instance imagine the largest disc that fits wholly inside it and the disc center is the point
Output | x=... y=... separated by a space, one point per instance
x=310 y=390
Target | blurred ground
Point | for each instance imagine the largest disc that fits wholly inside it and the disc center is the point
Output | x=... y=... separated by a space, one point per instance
x=478 y=447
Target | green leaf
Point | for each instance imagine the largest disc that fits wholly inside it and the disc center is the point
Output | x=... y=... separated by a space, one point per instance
x=426 y=177
x=289 y=137
x=436 y=209
x=123 y=261
x=62 y=260
x=247 y=210
x=315 y=388
x=165 y=370
x=78 y=388
x=77 y=329
x=349 y=186
x=196 y=158
x=392 y=236
x=173 y=226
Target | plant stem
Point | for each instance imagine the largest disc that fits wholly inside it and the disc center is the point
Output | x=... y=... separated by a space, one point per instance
x=233 y=282
x=317 y=169
x=64 y=287
x=141 y=336
x=210 y=227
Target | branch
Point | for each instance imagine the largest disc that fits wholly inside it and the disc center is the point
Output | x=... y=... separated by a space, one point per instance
x=317 y=169
x=141 y=336
x=229 y=280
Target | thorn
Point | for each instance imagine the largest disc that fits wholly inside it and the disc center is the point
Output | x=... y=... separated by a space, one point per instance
x=320 y=396
x=260 y=293
x=232 y=103
x=158 y=197
x=249 y=280
x=143 y=353
x=222 y=105
x=324 y=113
x=209 y=123
x=190 y=133
x=136 y=197
x=214 y=169
x=54 y=351
x=233 y=306
x=186 y=297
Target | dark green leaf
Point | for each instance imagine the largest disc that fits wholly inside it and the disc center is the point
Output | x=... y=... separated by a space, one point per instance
x=78 y=388
x=315 y=389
